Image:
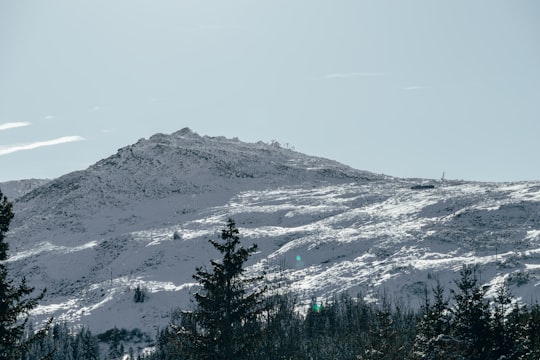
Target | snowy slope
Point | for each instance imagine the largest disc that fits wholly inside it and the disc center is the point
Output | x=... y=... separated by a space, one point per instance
x=92 y=236
x=15 y=189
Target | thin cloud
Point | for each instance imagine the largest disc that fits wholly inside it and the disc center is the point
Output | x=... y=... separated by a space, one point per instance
x=49 y=117
x=13 y=125
x=14 y=148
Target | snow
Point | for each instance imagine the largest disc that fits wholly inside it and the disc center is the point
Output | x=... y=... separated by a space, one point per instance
x=92 y=236
x=48 y=247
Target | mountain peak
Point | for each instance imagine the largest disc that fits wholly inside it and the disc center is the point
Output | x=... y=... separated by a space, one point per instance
x=185 y=154
x=175 y=168
x=186 y=132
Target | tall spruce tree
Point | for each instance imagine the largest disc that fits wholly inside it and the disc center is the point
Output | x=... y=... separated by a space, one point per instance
x=225 y=322
x=432 y=339
x=15 y=300
x=471 y=316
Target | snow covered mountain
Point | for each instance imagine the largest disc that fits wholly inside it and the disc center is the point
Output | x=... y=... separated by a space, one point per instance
x=143 y=217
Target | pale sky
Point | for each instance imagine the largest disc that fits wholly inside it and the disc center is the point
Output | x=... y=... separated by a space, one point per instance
x=405 y=88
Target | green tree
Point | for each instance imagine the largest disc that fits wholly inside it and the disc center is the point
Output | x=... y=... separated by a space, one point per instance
x=471 y=317
x=86 y=345
x=509 y=339
x=529 y=326
x=115 y=345
x=433 y=340
x=140 y=294
x=15 y=299
x=283 y=329
x=225 y=322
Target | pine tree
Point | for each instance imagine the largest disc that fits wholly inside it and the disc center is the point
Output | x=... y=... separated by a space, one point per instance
x=517 y=329
x=115 y=346
x=224 y=323
x=505 y=338
x=433 y=339
x=60 y=344
x=471 y=316
x=15 y=300
x=355 y=323
x=283 y=329
x=140 y=294
x=87 y=347
x=530 y=329
x=383 y=331
x=315 y=330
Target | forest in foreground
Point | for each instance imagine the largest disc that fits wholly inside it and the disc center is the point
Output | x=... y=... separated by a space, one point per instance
x=461 y=324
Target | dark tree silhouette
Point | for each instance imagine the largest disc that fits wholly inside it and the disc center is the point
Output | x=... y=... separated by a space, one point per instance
x=225 y=322
x=471 y=316
x=15 y=300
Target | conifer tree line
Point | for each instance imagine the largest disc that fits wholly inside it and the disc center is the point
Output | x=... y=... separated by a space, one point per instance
x=463 y=324
x=61 y=343
x=236 y=316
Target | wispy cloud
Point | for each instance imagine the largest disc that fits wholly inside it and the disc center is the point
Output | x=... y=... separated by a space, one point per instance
x=49 y=117
x=4 y=150
x=415 y=87
x=13 y=125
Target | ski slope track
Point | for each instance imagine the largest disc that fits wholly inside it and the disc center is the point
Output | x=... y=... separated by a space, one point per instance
x=144 y=216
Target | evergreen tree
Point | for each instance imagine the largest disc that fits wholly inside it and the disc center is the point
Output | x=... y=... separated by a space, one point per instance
x=509 y=339
x=530 y=325
x=355 y=323
x=115 y=345
x=225 y=322
x=60 y=344
x=518 y=331
x=170 y=346
x=383 y=341
x=316 y=330
x=283 y=329
x=86 y=347
x=433 y=339
x=140 y=294
x=15 y=300
x=471 y=317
